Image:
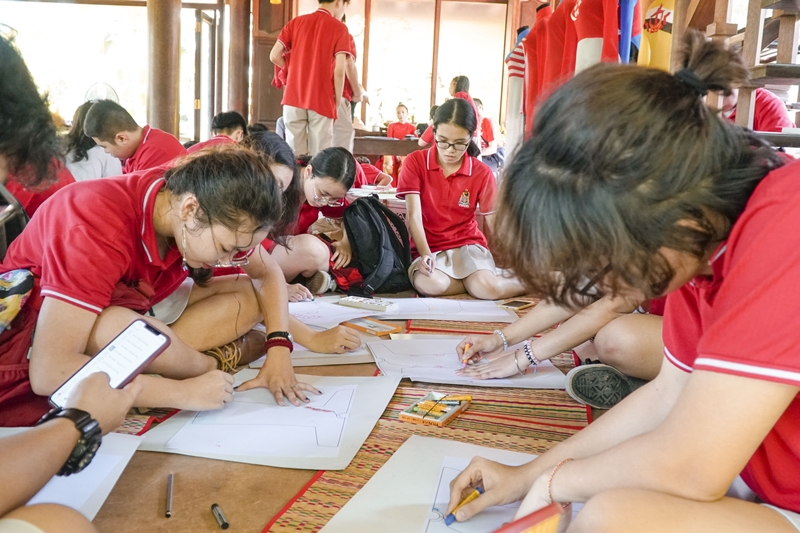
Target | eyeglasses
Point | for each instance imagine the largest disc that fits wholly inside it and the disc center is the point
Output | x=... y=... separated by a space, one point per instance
x=237 y=259
x=330 y=202
x=458 y=147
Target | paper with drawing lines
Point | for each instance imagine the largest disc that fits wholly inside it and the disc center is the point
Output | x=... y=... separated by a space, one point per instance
x=447 y=309
x=435 y=361
x=325 y=314
x=254 y=424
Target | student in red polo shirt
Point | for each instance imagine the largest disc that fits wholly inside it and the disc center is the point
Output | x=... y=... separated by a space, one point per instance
x=130 y=254
x=372 y=174
x=227 y=127
x=113 y=128
x=630 y=183
x=770 y=112
x=318 y=44
x=459 y=88
x=443 y=186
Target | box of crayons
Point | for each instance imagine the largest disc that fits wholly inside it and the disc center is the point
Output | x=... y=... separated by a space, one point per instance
x=436 y=409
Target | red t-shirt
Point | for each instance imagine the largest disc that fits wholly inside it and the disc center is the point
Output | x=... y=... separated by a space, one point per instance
x=371 y=172
x=399 y=131
x=487 y=132
x=743 y=322
x=347 y=91
x=535 y=46
x=32 y=200
x=554 y=54
x=448 y=204
x=216 y=140
x=570 y=42
x=157 y=148
x=93 y=237
x=314 y=41
x=770 y=113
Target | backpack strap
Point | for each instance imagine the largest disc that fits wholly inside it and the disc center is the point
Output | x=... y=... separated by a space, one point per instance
x=399 y=225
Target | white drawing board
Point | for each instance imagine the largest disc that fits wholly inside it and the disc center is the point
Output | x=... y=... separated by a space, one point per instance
x=325 y=314
x=402 y=495
x=324 y=434
x=87 y=490
x=302 y=356
x=435 y=361
x=447 y=309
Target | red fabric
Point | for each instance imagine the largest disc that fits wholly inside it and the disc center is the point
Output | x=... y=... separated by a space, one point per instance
x=743 y=321
x=371 y=172
x=399 y=131
x=347 y=91
x=216 y=140
x=32 y=200
x=554 y=55
x=770 y=113
x=599 y=19
x=157 y=148
x=656 y=306
x=487 y=132
x=94 y=235
x=448 y=204
x=535 y=48
x=570 y=41
x=314 y=41
x=427 y=135
x=516 y=62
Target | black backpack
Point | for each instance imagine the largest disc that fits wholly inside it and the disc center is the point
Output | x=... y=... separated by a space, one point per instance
x=381 y=250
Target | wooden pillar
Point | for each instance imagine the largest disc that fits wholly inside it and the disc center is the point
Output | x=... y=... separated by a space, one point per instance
x=163 y=53
x=437 y=22
x=239 y=59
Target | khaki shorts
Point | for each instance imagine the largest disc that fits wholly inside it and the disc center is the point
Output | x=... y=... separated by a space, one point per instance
x=459 y=263
x=13 y=525
x=172 y=307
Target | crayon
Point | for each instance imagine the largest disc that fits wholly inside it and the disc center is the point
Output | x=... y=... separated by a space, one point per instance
x=470 y=497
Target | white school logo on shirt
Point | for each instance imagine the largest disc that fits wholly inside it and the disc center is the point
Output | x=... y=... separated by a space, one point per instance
x=464 y=201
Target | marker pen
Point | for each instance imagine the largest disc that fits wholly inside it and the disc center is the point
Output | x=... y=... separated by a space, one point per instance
x=217 y=512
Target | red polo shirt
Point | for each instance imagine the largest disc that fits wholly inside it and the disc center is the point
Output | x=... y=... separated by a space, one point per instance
x=399 y=131
x=92 y=245
x=157 y=148
x=31 y=200
x=216 y=140
x=770 y=113
x=347 y=91
x=743 y=321
x=448 y=204
x=371 y=172
x=487 y=132
x=535 y=48
x=314 y=41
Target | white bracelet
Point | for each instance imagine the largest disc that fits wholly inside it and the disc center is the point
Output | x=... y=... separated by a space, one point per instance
x=503 y=338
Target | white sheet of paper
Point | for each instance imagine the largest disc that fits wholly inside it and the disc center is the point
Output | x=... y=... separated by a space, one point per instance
x=447 y=309
x=302 y=356
x=435 y=361
x=324 y=313
x=86 y=491
x=324 y=434
x=402 y=494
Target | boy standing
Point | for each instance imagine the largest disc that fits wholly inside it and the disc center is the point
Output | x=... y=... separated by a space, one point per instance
x=113 y=128
x=318 y=44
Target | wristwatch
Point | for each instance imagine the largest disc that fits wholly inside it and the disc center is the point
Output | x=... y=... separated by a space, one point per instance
x=89 y=442
x=283 y=334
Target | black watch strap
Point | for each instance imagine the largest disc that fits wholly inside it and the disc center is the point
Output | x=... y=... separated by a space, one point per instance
x=282 y=334
x=88 y=443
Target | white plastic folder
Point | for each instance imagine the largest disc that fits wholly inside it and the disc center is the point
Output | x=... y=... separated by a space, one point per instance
x=436 y=361
x=324 y=434
x=402 y=496
x=86 y=491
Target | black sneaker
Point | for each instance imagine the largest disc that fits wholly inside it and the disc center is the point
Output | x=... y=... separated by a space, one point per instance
x=600 y=386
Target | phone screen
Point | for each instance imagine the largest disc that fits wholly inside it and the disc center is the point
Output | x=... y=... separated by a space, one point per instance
x=137 y=345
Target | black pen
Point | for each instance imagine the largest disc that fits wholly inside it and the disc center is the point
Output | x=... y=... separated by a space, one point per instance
x=217 y=512
x=170 y=479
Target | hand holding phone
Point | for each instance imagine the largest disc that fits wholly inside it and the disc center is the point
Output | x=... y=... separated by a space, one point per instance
x=122 y=359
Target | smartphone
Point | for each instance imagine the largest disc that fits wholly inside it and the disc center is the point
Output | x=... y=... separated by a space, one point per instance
x=516 y=305
x=122 y=359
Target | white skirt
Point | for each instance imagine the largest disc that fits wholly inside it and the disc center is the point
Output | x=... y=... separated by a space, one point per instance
x=172 y=307
x=460 y=263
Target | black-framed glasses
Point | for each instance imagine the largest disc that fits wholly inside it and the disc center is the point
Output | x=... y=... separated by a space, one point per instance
x=458 y=147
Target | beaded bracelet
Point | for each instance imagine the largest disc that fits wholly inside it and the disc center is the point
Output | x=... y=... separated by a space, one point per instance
x=550 y=482
x=503 y=338
x=529 y=354
x=279 y=341
x=521 y=373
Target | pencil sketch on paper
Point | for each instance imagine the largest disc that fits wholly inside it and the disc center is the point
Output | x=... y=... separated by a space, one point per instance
x=254 y=425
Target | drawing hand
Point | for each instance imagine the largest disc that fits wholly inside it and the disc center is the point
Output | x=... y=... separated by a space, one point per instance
x=480 y=346
x=502 y=367
x=338 y=339
x=211 y=390
x=277 y=375
x=501 y=484
x=298 y=293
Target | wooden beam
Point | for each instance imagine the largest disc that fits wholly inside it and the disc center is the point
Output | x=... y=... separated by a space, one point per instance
x=437 y=21
x=220 y=56
x=163 y=64
x=123 y=3
x=679 y=25
x=690 y=11
x=239 y=58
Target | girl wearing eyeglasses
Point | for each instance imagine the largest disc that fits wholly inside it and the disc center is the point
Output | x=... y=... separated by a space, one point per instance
x=444 y=186
x=106 y=252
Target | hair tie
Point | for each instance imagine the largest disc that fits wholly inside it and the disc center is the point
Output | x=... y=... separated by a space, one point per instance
x=688 y=76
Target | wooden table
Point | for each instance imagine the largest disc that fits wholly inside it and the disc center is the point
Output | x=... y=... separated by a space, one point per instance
x=374 y=147
x=249 y=495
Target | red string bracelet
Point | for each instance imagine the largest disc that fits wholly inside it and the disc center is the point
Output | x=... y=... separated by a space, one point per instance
x=550 y=482
x=279 y=341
